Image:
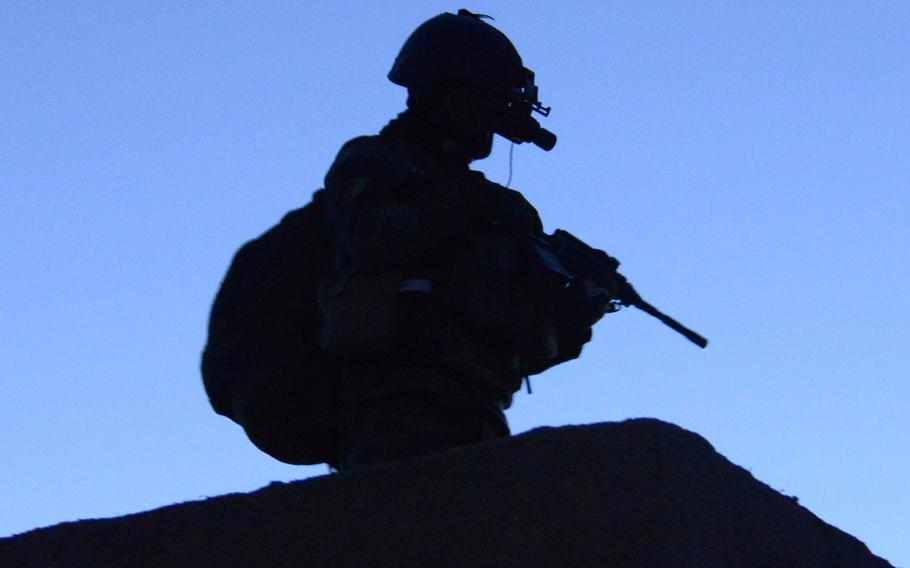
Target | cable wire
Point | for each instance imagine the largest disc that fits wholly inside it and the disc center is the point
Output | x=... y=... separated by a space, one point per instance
x=511 y=152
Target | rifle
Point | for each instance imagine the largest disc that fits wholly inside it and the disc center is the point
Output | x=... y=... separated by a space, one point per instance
x=582 y=260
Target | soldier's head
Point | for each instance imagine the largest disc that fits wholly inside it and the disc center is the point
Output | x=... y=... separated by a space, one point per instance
x=461 y=68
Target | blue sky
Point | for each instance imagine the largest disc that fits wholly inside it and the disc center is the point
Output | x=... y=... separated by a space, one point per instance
x=748 y=162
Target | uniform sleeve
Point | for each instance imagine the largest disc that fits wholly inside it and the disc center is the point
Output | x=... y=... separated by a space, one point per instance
x=384 y=211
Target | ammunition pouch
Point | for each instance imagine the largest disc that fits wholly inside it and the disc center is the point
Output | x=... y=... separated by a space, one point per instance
x=359 y=313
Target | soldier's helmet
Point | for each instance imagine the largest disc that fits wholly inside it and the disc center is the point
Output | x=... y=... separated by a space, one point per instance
x=463 y=49
x=458 y=48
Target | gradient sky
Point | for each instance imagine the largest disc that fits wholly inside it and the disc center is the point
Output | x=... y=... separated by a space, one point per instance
x=747 y=161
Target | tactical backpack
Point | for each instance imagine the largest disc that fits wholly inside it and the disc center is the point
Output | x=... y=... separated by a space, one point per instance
x=262 y=366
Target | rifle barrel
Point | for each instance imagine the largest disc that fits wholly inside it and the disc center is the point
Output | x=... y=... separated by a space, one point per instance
x=685 y=331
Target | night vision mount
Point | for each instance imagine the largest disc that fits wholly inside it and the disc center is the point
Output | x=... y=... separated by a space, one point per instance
x=517 y=124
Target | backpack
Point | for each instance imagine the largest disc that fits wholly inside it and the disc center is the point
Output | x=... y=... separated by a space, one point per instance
x=262 y=366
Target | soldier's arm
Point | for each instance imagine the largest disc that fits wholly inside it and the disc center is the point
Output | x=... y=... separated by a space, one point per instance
x=383 y=213
x=574 y=314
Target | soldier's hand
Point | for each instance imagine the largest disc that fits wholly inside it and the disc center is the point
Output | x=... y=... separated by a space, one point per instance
x=598 y=299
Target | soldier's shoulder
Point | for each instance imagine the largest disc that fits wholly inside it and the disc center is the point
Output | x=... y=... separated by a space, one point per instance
x=499 y=189
x=379 y=158
x=363 y=156
x=512 y=199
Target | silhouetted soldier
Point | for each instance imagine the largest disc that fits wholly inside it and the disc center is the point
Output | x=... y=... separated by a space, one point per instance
x=435 y=298
x=438 y=304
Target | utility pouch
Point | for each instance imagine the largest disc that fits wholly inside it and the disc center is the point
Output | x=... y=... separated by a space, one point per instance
x=488 y=294
x=359 y=314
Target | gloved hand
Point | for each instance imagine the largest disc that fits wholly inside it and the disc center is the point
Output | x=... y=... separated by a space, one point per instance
x=597 y=300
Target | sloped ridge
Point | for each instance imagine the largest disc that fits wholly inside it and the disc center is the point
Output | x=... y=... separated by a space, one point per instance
x=636 y=493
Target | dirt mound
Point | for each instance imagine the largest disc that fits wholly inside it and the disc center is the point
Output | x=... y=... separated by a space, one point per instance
x=637 y=493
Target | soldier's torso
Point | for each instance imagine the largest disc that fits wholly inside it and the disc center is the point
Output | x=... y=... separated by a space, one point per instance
x=434 y=265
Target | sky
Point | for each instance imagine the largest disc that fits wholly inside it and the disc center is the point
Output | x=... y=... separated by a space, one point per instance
x=748 y=162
